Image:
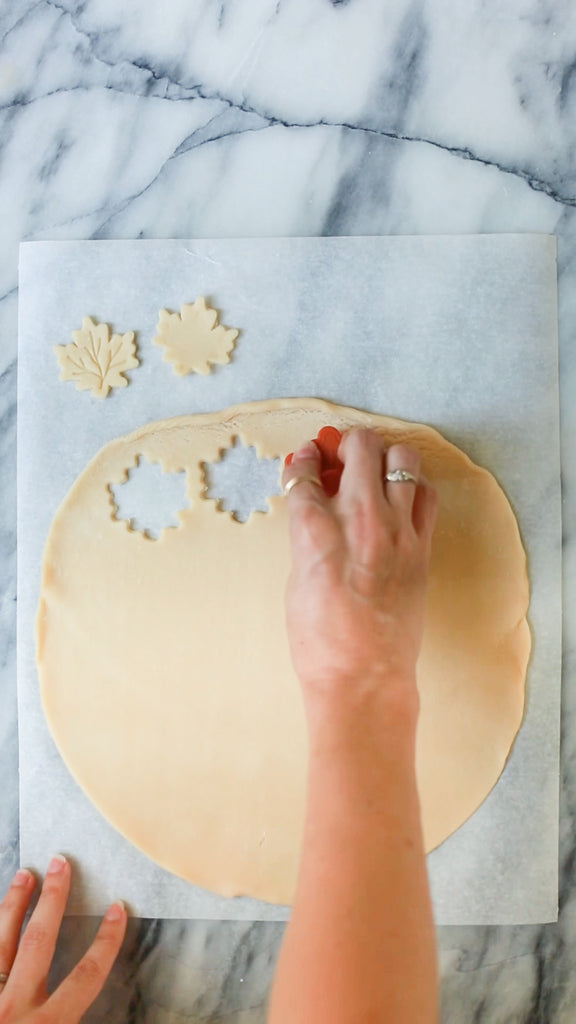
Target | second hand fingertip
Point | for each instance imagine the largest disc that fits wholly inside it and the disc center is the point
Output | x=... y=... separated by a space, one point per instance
x=57 y=864
x=116 y=912
x=23 y=878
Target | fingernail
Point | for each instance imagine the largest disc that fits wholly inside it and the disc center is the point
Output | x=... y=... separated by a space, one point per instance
x=22 y=877
x=57 y=864
x=306 y=450
x=116 y=911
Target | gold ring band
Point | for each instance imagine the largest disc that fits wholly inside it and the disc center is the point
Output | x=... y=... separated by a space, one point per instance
x=304 y=479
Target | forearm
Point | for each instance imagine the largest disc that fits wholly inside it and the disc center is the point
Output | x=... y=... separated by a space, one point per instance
x=360 y=945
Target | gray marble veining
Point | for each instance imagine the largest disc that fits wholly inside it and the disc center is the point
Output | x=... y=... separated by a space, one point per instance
x=311 y=117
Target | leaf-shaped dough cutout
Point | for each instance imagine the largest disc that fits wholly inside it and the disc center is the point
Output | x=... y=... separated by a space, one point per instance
x=193 y=340
x=95 y=361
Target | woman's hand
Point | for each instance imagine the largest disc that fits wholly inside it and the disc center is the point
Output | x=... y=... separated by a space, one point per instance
x=356 y=595
x=355 y=605
x=23 y=996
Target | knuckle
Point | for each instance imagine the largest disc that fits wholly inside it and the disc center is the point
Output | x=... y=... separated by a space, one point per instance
x=403 y=456
x=374 y=441
x=383 y=538
x=51 y=891
x=304 y=467
x=310 y=462
x=89 y=971
x=7 y=1009
x=352 y=441
x=405 y=546
x=375 y=517
x=45 y=1015
x=369 y=521
x=309 y=515
x=35 y=937
x=373 y=540
x=403 y=450
x=364 y=440
x=379 y=549
x=11 y=902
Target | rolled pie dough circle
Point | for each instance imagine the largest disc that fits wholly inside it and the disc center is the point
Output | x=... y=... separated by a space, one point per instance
x=164 y=664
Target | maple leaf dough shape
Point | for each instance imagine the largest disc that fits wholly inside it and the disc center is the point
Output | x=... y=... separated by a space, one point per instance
x=193 y=339
x=96 y=362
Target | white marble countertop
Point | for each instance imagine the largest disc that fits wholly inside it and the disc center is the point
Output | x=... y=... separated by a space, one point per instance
x=309 y=117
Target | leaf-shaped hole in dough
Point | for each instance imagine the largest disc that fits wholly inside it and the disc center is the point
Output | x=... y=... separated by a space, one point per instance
x=241 y=482
x=149 y=499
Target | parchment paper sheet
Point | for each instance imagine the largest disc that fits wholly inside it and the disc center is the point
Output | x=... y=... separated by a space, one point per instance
x=457 y=332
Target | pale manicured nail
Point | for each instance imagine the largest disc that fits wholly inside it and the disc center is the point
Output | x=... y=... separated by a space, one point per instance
x=22 y=878
x=57 y=864
x=305 y=451
x=116 y=911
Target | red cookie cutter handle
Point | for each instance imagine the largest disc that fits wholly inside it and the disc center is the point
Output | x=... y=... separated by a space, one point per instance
x=327 y=443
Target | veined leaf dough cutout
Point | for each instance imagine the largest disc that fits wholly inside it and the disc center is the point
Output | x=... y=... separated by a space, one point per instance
x=95 y=360
x=193 y=341
x=165 y=672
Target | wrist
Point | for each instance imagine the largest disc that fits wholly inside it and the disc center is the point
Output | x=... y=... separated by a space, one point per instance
x=362 y=764
x=375 y=717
